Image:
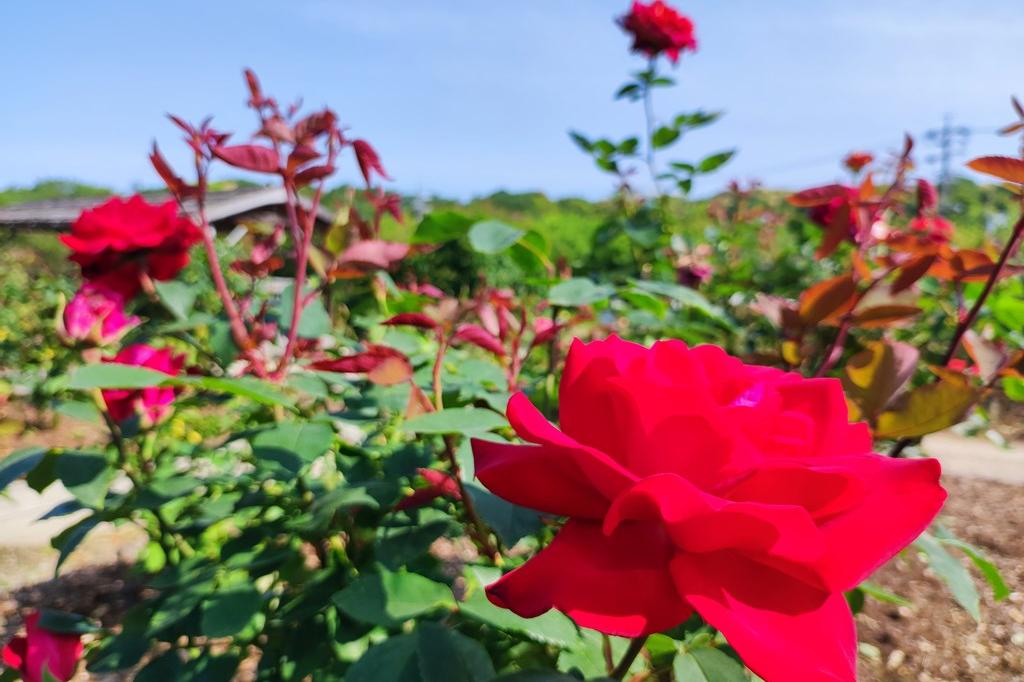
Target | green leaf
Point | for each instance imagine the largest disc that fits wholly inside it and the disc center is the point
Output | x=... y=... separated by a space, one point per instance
x=578 y=291
x=177 y=605
x=456 y=420
x=581 y=141
x=177 y=297
x=441 y=226
x=549 y=628
x=537 y=676
x=251 y=388
x=71 y=537
x=292 y=444
x=70 y=623
x=664 y=136
x=988 y=570
x=511 y=522
x=685 y=296
x=118 y=652
x=86 y=475
x=493 y=236
x=167 y=666
x=388 y=599
x=446 y=656
x=19 y=463
x=398 y=546
x=314 y=320
x=630 y=90
x=884 y=596
x=112 y=375
x=707 y=665
x=1014 y=388
x=588 y=655
x=228 y=612
x=715 y=161
x=629 y=146
x=696 y=119
x=79 y=409
x=952 y=572
x=393 y=660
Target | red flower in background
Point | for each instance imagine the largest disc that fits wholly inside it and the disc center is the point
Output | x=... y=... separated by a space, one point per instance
x=658 y=28
x=123 y=238
x=150 y=404
x=58 y=652
x=856 y=161
x=95 y=314
x=694 y=482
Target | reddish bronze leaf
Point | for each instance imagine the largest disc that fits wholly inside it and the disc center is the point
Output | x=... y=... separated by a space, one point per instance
x=1003 y=167
x=827 y=299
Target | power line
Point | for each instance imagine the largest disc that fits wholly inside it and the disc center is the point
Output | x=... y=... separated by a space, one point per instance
x=951 y=141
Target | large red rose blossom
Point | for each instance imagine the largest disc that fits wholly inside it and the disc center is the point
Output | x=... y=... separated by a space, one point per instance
x=28 y=654
x=658 y=28
x=122 y=238
x=694 y=482
x=151 y=404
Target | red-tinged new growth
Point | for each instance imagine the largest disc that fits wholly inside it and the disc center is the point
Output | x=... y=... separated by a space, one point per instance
x=302 y=152
x=692 y=482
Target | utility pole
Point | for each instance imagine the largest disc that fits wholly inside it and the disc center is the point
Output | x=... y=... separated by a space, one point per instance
x=952 y=142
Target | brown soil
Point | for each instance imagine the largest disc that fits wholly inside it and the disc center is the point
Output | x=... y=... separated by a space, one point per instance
x=934 y=639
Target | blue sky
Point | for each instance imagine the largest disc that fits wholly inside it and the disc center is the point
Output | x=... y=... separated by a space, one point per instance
x=463 y=98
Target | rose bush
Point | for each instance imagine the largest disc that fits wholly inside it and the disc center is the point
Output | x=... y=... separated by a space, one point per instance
x=713 y=489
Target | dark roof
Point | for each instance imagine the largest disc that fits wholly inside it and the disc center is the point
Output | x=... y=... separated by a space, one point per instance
x=221 y=207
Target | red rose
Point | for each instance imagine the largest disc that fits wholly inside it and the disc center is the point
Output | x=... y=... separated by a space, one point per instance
x=856 y=161
x=694 y=482
x=95 y=314
x=57 y=651
x=150 y=404
x=934 y=228
x=124 y=238
x=658 y=28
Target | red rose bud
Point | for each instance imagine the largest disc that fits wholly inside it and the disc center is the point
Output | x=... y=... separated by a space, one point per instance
x=693 y=482
x=95 y=315
x=151 y=404
x=658 y=28
x=124 y=235
x=39 y=649
x=856 y=161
